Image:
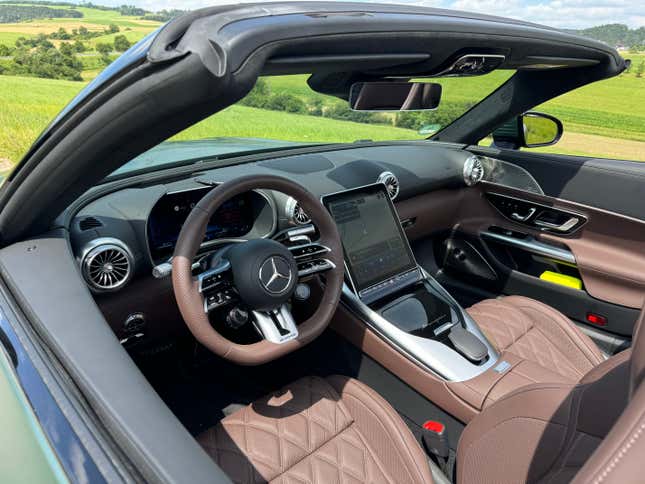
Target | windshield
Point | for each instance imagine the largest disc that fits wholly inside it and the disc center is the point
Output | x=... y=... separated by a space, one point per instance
x=283 y=112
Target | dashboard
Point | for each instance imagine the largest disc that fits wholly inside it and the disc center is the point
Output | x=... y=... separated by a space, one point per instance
x=137 y=222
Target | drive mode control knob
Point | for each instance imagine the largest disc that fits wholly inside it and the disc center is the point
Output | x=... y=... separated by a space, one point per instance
x=236 y=318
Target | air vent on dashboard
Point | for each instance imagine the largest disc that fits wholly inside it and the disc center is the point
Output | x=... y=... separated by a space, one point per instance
x=391 y=182
x=473 y=170
x=295 y=213
x=106 y=264
x=89 y=223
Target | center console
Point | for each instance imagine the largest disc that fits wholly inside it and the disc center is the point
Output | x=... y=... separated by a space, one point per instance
x=387 y=289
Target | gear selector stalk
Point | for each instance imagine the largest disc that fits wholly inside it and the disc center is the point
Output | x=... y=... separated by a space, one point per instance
x=467 y=344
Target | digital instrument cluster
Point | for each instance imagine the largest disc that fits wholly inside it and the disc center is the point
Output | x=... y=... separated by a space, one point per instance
x=233 y=219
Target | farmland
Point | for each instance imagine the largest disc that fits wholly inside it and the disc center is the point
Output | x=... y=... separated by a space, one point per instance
x=606 y=118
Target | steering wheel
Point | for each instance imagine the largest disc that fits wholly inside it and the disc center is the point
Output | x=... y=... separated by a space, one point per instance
x=262 y=273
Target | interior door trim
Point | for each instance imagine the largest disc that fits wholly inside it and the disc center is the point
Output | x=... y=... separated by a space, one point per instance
x=545 y=199
x=534 y=246
x=581 y=219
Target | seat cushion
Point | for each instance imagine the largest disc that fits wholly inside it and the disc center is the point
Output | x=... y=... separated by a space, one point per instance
x=538 y=333
x=317 y=430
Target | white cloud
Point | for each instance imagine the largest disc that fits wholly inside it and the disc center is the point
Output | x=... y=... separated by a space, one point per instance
x=563 y=13
x=556 y=13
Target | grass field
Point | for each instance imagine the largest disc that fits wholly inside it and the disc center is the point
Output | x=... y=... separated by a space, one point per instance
x=29 y=104
x=605 y=119
x=93 y=19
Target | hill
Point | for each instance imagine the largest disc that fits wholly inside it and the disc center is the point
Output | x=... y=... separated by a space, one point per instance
x=73 y=17
x=616 y=35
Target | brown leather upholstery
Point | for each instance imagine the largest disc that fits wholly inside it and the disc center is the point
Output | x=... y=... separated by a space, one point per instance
x=544 y=432
x=555 y=432
x=318 y=430
x=536 y=332
x=619 y=459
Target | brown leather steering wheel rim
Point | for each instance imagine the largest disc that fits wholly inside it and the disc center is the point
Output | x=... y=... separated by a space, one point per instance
x=185 y=286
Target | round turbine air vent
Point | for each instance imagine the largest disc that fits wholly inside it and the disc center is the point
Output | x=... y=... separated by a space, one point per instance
x=106 y=264
x=473 y=170
x=391 y=182
x=295 y=213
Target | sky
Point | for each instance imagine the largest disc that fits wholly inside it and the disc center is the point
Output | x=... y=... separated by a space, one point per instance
x=573 y=14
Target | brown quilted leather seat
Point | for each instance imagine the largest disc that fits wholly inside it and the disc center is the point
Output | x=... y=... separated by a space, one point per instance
x=317 y=431
x=339 y=430
x=538 y=333
x=591 y=431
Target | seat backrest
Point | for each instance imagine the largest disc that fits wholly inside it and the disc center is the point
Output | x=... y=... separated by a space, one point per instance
x=619 y=458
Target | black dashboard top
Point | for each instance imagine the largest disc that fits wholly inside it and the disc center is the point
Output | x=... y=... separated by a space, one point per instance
x=145 y=212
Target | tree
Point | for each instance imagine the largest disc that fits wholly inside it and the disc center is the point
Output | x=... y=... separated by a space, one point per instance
x=66 y=49
x=61 y=34
x=113 y=29
x=46 y=62
x=79 y=47
x=83 y=32
x=285 y=102
x=121 y=43
x=640 y=69
x=103 y=49
x=5 y=51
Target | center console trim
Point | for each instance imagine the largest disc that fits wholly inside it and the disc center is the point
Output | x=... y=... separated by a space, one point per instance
x=433 y=356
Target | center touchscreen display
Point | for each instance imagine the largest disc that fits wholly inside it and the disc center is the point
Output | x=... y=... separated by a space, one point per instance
x=374 y=243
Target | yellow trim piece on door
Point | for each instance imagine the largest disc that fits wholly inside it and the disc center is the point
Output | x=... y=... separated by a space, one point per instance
x=561 y=279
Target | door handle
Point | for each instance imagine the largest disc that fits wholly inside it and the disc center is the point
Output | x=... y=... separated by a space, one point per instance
x=563 y=227
x=523 y=218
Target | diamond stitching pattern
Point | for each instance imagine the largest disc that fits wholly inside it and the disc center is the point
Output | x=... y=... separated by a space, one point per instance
x=511 y=329
x=343 y=459
x=278 y=432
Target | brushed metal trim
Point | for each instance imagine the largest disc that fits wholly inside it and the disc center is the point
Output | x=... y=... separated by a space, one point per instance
x=534 y=246
x=431 y=355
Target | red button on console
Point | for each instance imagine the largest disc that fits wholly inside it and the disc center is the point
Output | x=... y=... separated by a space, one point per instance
x=596 y=319
x=433 y=426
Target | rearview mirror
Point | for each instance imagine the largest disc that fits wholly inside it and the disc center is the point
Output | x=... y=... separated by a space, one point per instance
x=394 y=96
x=530 y=130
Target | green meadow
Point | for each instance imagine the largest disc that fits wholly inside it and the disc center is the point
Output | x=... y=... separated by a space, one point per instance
x=606 y=118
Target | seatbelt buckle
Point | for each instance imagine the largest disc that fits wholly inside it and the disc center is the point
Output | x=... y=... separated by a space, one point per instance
x=435 y=439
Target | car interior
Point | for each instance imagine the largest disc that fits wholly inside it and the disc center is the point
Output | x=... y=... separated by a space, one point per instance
x=389 y=311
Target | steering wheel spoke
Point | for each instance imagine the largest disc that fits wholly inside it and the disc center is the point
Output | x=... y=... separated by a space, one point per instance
x=215 y=286
x=277 y=325
x=314 y=266
x=211 y=279
x=311 y=258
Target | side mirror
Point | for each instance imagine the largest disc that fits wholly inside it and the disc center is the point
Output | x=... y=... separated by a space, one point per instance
x=394 y=96
x=530 y=130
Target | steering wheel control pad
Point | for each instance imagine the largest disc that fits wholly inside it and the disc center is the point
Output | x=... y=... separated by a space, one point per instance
x=265 y=273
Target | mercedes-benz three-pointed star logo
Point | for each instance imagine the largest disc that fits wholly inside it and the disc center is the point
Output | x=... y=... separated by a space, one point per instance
x=275 y=274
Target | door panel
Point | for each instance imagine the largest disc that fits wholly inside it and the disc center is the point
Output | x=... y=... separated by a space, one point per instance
x=605 y=253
